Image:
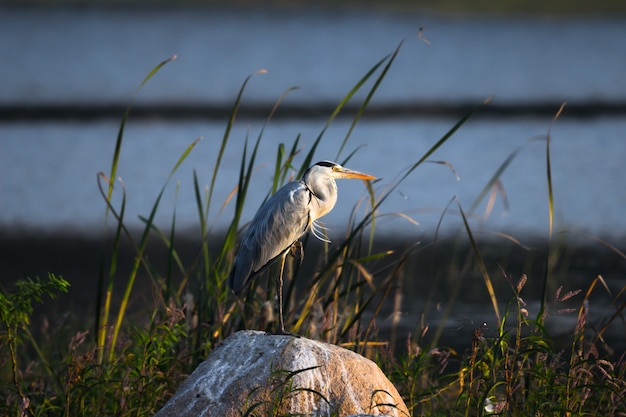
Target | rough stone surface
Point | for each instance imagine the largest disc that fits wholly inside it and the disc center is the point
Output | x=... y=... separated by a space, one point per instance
x=284 y=375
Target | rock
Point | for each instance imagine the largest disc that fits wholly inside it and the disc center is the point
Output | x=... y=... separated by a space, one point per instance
x=280 y=375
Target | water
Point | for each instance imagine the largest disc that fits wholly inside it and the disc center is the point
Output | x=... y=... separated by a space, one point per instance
x=93 y=56
x=53 y=167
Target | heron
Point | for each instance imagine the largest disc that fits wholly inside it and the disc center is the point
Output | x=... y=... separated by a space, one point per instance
x=282 y=220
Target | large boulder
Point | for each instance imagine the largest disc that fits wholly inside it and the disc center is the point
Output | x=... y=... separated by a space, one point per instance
x=283 y=375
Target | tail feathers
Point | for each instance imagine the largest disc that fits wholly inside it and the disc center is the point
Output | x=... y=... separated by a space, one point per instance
x=234 y=284
x=239 y=277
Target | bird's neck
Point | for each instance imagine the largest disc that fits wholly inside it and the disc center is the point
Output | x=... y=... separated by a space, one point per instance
x=323 y=196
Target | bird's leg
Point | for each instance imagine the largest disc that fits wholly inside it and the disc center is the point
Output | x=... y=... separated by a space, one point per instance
x=297 y=251
x=279 y=288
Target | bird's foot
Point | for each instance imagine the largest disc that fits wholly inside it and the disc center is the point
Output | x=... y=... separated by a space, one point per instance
x=281 y=332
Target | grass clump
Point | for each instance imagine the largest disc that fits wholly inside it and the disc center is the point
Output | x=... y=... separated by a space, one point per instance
x=130 y=364
x=518 y=371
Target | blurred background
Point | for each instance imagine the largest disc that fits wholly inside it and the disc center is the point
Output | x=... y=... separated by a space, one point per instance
x=70 y=68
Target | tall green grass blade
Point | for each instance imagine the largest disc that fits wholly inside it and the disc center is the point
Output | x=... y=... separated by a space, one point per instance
x=288 y=165
x=382 y=292
x=347 y=159
x=139 y=258
x=433 y=148
x=390 y=60
x=549 y=266
x=498 y=174
x=549 y=175
x=281 y=147
x=172 y=254
x=278 y=167
x=214 y=272
x=120 y=134
x=101 y=316
x=139 y=255
x=203 y=254
x=244 y=180
x=199 y=204
x=230 y=240
x=245 y=176
x=226 y=136
x=182 y=157
x=481 y=265
x=104 y=306
x=368 y=216
x=168 y=242
x=309 y=157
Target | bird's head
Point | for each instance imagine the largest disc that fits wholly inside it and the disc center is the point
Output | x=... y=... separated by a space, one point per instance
x=332 y=170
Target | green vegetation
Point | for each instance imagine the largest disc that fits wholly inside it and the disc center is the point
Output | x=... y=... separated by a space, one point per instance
x=132 y=364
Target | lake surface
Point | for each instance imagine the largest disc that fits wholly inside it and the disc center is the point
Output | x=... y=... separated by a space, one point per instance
x=92 y=55
x=84 y=57
x=52 y=171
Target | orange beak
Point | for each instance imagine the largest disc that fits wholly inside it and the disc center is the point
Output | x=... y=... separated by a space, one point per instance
x=348 y=173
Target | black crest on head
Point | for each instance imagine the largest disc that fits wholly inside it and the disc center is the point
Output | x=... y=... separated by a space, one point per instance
x=328 y=164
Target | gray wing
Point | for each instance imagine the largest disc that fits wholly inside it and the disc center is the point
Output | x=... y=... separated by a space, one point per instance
x=280 y=221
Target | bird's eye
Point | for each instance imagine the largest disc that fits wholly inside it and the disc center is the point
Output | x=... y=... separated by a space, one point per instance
x=336 y=168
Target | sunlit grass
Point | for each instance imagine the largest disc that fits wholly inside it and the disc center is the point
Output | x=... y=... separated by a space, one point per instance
x=131 y=365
